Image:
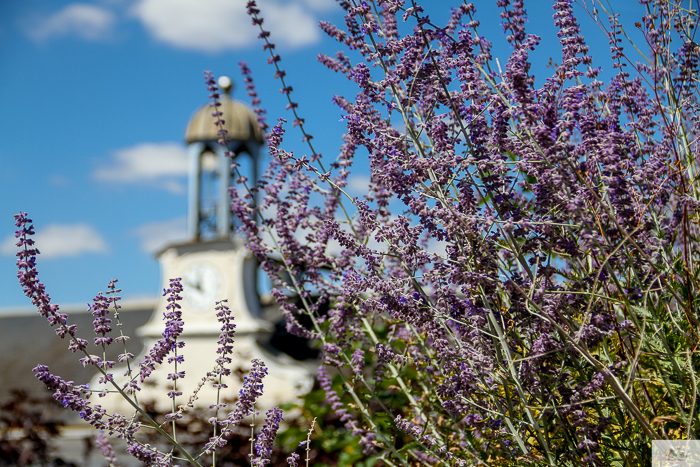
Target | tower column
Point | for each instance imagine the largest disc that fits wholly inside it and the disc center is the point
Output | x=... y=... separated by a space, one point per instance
x=194 y=190
x=223 y=207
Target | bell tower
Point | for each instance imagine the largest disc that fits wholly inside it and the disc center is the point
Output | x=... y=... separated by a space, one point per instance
x=214 y=265
x=210 y=173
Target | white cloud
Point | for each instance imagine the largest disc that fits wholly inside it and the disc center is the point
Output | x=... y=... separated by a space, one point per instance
x=204 y=26
x=159 y=164
x=437 y=247
x=61 y=240
x=322 y=5
x=87 y=21
x=358 y=185
x=218 y=25
x=155 y=235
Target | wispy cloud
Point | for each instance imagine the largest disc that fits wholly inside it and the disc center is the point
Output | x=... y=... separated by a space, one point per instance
x=155 y=235
x=62 y=240
x=358 y=185
x=210 y=26
x=321 y=5
x=163 y=165
x=219 y=25
x=89 y=22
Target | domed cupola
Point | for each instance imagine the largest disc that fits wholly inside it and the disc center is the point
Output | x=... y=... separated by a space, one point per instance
x=240 y=121
x=210 y=174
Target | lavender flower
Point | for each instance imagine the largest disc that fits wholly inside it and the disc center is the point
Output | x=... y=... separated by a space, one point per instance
x=34 y=289
x=293 y=460
x=100 y=310
x=225 y=350
x=263 y=443
x=169 y=341
x=249 y=393
x=539 y=194
x=106 y=450
x=252 y=93
x=252 y=389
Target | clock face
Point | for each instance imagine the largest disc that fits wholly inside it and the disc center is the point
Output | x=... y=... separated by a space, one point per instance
x=202 y=285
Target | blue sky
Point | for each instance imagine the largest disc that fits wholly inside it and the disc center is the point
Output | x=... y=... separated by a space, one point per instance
x=95 y=97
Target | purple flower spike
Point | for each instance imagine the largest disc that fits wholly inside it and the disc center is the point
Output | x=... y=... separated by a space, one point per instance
x=74 y=398
x=250 y=392
x=105 y=446
x=225 y=350
x=29 y=280
x=219 y=122
x=173 y=329
x=263 y=444
x=100 y=310
x=253 y=94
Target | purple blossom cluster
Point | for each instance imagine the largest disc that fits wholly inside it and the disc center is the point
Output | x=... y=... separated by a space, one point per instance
x=106 y=449
x=71 y=396
x=245 y=405
x=34 y=289
x=169 y=343
x=253 y=94
x=76 y=398
x=516 y=234
x=165 y=350
x=264 y=440
x=225 y=350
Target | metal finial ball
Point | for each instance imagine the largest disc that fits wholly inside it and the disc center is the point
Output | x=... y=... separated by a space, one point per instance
x=226 y=84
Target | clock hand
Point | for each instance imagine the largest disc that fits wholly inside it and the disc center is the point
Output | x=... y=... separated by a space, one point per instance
x=193 y=284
